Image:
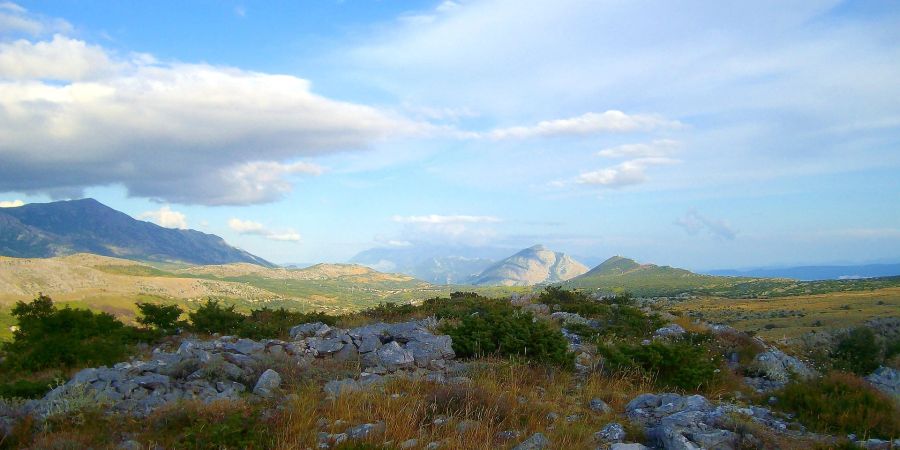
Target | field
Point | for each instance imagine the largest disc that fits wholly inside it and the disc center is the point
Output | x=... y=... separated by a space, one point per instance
x=777 y=319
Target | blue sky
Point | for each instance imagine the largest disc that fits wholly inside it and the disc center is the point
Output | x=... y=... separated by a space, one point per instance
x=694 y=134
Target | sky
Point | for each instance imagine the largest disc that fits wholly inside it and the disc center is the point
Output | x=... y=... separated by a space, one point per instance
x=689 y=133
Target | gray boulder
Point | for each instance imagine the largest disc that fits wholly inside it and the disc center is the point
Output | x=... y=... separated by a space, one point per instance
x=318 y=329
x=599 y=406
x=612 y=432
x=366 y=431
x=268 y=384
x=887 y=380
x=779 y=366
x=671 y=330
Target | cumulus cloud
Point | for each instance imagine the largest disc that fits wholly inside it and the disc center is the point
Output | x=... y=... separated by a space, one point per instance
x=14 y=19
x=165 y=217
x=459 y=229
x=73 y=115
x=251 y=228
x=693 y=223
x=654 y=149
x=436 y=219
x=587 y=124
x=623 y=174
x=11 y=203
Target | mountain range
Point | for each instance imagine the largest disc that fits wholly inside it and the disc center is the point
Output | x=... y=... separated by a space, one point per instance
x=42 y=230
x=810 y=273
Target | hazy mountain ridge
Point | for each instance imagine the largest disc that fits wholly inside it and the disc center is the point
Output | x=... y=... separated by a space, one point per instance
x=531 y=266
x=433 y=263
x=42 y=230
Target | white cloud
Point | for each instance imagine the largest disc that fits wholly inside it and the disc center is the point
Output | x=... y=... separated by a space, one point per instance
x=624 y=174
x=61 y=58
x=11 y=203
x=588 y=124
x=181 y=133
x=655 y=149
x=165 y=217
x=251 y=228
x=436 y=219
x=693 y=222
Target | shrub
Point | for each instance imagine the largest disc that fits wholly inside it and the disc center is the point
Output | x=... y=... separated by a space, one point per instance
x=509 y=334
x=212 y=317
x=160 y=317
x=220 y=425
x=25 y=388
x=688 y=363
x=857 y=351
x=841 y=403
x=48 y=337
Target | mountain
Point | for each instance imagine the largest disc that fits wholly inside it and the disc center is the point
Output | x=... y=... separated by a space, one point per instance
x=534 y=265
x=452 y=264
x=811 y=273
x=619 y=273
x=41 y=230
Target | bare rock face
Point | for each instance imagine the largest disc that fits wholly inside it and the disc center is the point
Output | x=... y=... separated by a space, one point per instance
x=534 y=265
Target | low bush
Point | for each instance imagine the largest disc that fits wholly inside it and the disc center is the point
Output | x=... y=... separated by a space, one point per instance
x=615 y=315
x=276 y=323
x=841 y=403
x=26 y=388
x=48 y=337
x=512 y=333
x=688 y=363
x=857 y=351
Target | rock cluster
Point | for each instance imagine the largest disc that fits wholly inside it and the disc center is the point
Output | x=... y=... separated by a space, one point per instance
x=679 y=422
x=776 y=368
x=887 y=380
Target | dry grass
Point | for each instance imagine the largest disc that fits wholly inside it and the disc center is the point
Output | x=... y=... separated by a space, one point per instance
x=502 y=396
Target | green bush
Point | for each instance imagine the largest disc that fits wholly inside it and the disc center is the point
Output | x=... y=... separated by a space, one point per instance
x=615 y=315
x=159 y=317
x=841 y=403
x=212 y=317
x=48 y=337
x=276 y=323
x=509 y=333
x=857 y=351
x=688 y=363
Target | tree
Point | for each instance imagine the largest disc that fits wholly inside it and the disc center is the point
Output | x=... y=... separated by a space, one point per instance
x=161 y=317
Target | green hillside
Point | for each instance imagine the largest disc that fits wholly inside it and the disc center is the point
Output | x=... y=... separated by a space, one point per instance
x=649 y=280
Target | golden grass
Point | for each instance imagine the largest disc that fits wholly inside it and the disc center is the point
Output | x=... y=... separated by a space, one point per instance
x=791 y=317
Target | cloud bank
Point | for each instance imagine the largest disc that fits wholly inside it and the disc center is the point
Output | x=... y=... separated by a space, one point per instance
x=251 y=228
x=693 y=223
x=165 y=217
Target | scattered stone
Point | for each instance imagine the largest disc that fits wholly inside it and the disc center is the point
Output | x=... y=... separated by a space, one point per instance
x=130 y=444
x=612 y=432
x=465 y=426
x=672 y=330
x=552 y=416
x=507 y=435
x=365 y=431
x=599 y=406
x=567 y=318
x=433 y=445
x=409 y=443
x=630 y=446
x=537 y=441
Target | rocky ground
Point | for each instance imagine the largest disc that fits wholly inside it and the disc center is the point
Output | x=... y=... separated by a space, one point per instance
x=228 y=368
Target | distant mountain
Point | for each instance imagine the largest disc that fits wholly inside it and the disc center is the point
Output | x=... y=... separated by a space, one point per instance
x=534 y=265
x=434 y=264
x=618 y=273
x=812 y=273
x=41 y=230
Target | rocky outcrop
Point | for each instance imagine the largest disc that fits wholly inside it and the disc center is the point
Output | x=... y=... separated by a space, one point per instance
x=228 y=367
x=674 y=421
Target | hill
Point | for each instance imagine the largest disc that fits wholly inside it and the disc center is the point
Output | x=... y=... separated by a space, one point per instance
x=619 y=273
x=42 y=230
x=534 y=265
